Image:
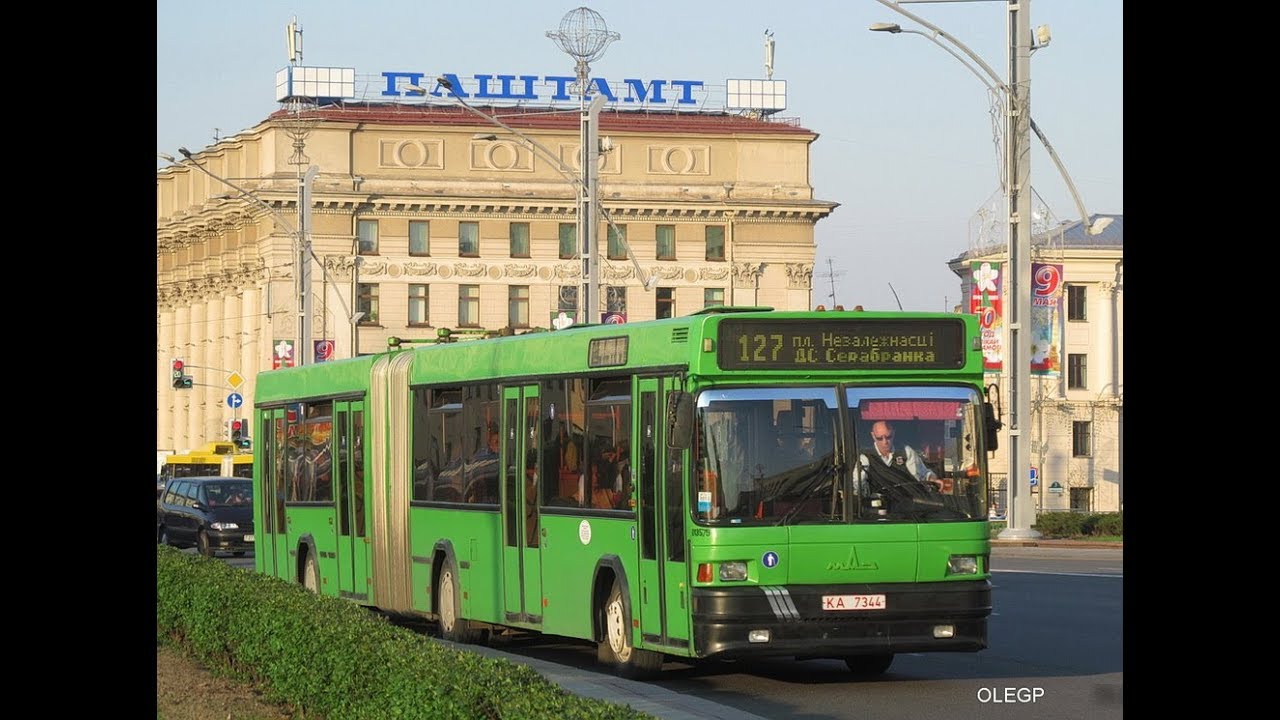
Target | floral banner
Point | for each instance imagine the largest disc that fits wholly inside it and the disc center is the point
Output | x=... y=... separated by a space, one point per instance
x=986 y=303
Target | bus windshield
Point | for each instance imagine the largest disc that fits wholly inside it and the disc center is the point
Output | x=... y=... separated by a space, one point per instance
x=780 y=456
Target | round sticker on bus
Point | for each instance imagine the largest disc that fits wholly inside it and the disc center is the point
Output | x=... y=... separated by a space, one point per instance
x=769 y=559
x=584 y=532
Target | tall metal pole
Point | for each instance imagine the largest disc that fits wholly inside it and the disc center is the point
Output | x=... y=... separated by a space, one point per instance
x=587 y=203
x=1018 y=157
x=305 y=347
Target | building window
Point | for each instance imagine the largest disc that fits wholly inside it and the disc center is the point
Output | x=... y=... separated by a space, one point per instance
x=617 y=239
x=666 y=303
x=367 y=302
x=519 y=239
x=715 y=242
x=568 y=240
x=1082 y=499
x=1081 y=438
x=468 y=239
x=419 y=237
x=1077 y=371
x=567 y=300
x=367 y=230
x=666 y=240
x=468 y=306
x=712 y=297
x=518 y=306
x=418 y=304
x=615 y=299
x=1076 y=303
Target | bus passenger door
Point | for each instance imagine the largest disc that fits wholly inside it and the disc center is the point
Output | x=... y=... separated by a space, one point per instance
x=521 y=551
x=271 y=549
x=353 y=547
x=664 y=587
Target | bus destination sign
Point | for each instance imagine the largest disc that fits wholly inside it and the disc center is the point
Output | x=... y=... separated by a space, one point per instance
x=844 y=344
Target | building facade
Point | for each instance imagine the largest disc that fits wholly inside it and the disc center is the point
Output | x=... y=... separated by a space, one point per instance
x=1077 y=411
x=421 y=217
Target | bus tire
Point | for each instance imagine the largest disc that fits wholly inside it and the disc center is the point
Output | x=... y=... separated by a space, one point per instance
x=452 y=626
x=202 y=543
x=311 y=574
x=615 y=649
x=869 y=664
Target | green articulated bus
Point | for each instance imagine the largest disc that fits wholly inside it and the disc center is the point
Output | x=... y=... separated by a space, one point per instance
x=697 y=487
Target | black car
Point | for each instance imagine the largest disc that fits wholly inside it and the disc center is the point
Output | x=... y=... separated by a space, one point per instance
x=210 y=513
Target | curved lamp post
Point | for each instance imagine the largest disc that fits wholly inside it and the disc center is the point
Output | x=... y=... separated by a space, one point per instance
x=994 y=84
x=1017 y=159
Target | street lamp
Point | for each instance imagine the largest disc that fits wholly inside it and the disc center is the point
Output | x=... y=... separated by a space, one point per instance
x=996 y=85
x=1017 y=158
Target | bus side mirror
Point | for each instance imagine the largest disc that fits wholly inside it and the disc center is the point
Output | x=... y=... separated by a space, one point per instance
x=992 y=425
x=679 y=420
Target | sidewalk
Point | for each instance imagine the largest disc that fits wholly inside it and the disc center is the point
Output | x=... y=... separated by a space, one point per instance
x=1050 y=542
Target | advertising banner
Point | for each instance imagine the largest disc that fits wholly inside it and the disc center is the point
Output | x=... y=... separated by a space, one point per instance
x=986 y=303
x=282 y=354
x=1046 y=319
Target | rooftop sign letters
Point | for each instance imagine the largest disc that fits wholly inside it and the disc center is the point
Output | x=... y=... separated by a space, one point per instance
x=549 y=88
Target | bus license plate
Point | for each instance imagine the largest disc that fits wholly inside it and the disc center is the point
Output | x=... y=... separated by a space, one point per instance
x=853 y=602
x=248 y=538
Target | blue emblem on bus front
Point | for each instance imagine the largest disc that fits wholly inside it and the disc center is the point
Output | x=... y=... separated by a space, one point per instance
x=769 y=559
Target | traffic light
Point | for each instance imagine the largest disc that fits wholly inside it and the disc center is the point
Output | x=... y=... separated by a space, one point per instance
x=181 y=380
x=240 y=434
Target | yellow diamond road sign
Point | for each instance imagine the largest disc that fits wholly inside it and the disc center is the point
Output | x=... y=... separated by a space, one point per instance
x=235 y=380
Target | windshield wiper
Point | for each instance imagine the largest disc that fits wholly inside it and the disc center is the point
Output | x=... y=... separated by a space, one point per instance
x=828 y=470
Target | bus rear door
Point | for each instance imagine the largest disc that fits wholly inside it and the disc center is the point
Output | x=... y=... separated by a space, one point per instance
x=521 y=552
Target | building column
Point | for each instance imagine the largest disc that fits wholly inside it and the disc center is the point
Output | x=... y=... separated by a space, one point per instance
x=164 y=384
x=181 y=399
x=229 y=344
x=195 y=343
x=252 y=327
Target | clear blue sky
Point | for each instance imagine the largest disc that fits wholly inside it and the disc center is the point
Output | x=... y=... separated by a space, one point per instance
x=905 y=131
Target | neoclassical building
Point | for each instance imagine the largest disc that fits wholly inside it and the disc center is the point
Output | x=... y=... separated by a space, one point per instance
x=1077 y=413
x=425 y=216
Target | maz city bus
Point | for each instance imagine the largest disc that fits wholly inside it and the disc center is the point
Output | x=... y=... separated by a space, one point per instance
x=693 y=487
x=215 y=458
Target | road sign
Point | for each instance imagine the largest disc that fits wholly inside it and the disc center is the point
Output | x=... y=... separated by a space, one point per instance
x=234 y=400
x=235 y=380
x=1035 y=476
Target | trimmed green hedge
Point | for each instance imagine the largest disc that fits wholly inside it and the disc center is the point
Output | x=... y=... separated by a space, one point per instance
x=1070 y=524
x=335 y=660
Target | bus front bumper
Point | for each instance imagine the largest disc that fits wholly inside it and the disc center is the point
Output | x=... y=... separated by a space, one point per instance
x=734 y=622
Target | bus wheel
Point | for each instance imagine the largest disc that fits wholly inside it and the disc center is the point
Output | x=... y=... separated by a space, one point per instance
x=869 y=664
x=311 y=574
x=452 y=627
x=616 y=649
x=202 y=542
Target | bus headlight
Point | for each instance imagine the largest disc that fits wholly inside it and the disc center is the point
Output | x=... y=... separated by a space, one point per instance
x=962 y=565
x=224 y=526
x=733 y=570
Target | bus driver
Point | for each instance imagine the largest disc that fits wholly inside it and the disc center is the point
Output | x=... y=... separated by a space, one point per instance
x=906 y=458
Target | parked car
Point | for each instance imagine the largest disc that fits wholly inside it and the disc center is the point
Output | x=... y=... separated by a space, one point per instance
x=211 y=514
